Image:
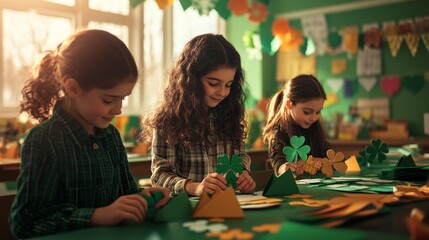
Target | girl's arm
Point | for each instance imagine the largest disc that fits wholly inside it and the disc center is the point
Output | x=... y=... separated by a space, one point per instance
x=275 y=152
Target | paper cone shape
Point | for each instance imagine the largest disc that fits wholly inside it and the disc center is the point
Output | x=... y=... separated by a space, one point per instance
x=220 y=205
x=352 y=165
x=280 y=186
x=394 y=43
x=412 y=40
x=406 y=161
x=177 y=209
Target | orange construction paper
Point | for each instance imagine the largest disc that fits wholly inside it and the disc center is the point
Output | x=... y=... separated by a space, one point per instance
x=162 y=4
x=280 y=27
x=238 y=7
x=220 y=205
x=258 y=12
x=352 y=165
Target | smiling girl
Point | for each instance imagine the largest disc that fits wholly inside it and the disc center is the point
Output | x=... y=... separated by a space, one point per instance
x=200 y=116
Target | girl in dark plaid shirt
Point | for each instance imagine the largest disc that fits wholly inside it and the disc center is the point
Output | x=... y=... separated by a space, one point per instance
x=200 y=116
x=74 y=168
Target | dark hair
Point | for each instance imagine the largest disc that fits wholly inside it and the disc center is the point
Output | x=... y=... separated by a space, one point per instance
x=181 y=116
x=299 y=89
x=93 y=58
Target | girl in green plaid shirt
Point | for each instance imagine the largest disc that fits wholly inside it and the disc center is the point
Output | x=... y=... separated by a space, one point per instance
x=74 y=168
x=200 y=117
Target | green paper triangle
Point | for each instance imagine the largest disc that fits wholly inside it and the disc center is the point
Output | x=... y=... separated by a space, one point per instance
x=406 y=161
x=177 y=209
x=222 y=9
x=280 y=186
x=185 y=4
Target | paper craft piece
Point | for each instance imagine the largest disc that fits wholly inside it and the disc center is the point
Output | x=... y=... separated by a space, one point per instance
x=425 y=39
x=203 y=226
x=350 y=39
x=352 y=165
x=331 y=98
x=394 y=40
x=297 y=149
x=204 y=7
x=413 y=83
x=373 y=36
x=310 y=166
x=231 y=234
x=334 y=160
x=282 y=185
x=294 y=63
x=222 y=9
x=280 y=27
x=152 y=200
x=221 y=205
x=408 y=31
x=338 y=66
x=406 y=161
x=258 y=12
x=178 y=208
x=230 y=168
x=271 y=228
x=368 y=62
x=316 y=28
x=334 y=42
x=377 y=151
x=135 y=3
x=367 y=83
x=390 y=85
x=238 y=7
x=335 y=84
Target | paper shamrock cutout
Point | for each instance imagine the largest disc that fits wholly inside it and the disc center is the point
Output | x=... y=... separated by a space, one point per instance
x=179 y=208
x=376 y=151
x=406 y=161
x=230 y=168
x=204 y=6
x=311 y=166
x=282 y=185
x=334 y=160
x=222 y=204
x=297 y=149
x=152 y=200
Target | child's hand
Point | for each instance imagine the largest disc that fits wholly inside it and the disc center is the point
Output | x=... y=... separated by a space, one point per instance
x=165 y=193
x=131 y=208
x=245 y=183
x=212 y=183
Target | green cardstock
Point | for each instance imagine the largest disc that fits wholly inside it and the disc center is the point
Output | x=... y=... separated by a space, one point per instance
x=280 y=186
x=406 y=161
x=229 y=168
x=179 y=208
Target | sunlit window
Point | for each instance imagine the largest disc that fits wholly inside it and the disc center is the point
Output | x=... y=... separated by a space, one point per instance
x=120 y=31
x=63 y=2
x=111 y=6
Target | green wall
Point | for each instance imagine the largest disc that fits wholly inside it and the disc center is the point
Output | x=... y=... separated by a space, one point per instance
x=405 y=105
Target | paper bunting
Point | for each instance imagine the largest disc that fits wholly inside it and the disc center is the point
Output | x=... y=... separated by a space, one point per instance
x=333 y=161
x=350 y=39
x=331 y=98
x=280 y=27
x=258 y=12
x=367 y=83
x=373 y=37
x=335 y=84
x=238 y=7
x=334 y=43
x=222 y=9
x=393 y=38
x=425 y=39
x=368 y=62
x=413 y=83
x=390 y=85
x=223 y=204
x=316 y=28
x=204 y=6
x=185 y=4
x=162 y=4
x=350 y=86
x=407 y=29
x=280 y=186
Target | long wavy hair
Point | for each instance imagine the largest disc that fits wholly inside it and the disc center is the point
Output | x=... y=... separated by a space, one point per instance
x=299 y=89
x=181 y=116
x=93 y=58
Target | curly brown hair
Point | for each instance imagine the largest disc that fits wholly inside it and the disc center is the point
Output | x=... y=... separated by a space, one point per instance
x=94 y=58
x=181 y=117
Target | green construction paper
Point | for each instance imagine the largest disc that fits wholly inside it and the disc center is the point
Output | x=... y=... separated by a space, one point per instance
x=297 y=148
x=282 y=185
x=303 y=47
x=334 y=39
x=413 y=83
x=230 y=168
x=185 y=4
x=179 y=208
x=135 y=3
x=222 y=9
x=406 y=161
x=266 y=34
x=151 y=209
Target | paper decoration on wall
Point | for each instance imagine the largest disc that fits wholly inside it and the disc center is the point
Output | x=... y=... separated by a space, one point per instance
x=413 y=83
x=291 y=40
x=367 y=83
x=406 y=162
x=177 y=209
x=334 y=42
x=238 y=7
x=352 y=165
x=282 y=185
x=335 y=84
x=393 y=38
x=291 y=64
x=316 y=28
x=350 y=39
x=368 y=62
x=266 y=35
x=204 y=6
x=422 y=29
x=230 y=168
x=408 y=31
x=390 y=85
x=350 y=86
x=222 y=204
x=373 y=36
x=135 y=3
x=297 y=149
x=162 y=4
x=373 y=153
x=222 y=9
x=280 y=27
x=331 y=98
x=333 y=160
x=252 y=42
x=338 y=66
x=258 y=12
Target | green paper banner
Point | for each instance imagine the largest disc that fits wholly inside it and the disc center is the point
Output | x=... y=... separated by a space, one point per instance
x=185 y=4
x=222 y=9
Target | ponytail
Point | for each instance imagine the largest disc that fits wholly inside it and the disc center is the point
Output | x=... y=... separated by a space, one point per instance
x=42 y=89
x=274 y=116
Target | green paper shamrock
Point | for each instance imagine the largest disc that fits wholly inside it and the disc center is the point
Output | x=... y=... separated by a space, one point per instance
x=230 y=168
x=377 y=151
x=363 y=158
x=297 y=149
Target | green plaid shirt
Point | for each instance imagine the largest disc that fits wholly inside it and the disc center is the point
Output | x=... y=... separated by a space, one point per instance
x=66 y=174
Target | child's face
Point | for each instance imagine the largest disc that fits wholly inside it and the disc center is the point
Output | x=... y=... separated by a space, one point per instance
x=306 y=113
x=97 y=107
x=217 y=85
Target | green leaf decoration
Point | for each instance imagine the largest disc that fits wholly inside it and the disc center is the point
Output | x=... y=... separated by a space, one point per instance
x=229 y=168
x=297 y=149
x=377 y=151
x=362 y=158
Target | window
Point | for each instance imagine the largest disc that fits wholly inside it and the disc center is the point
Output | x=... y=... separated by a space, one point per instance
x=29 y=27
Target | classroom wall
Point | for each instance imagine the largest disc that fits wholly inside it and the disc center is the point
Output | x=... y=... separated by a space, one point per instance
x=405 y=105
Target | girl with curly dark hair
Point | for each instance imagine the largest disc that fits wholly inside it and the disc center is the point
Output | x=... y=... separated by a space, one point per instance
x=200 y=116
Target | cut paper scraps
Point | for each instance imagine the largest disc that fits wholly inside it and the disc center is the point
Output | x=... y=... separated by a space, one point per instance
x=373 y=153
x=268 y=227
x=177 y=209
x=352 y=165
x=222 y=204
x=231 y=234
x=390 y=85
x=230 y=169
x=334 y=161
x=282 y=185
x=203 y=226
x=367 y=83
